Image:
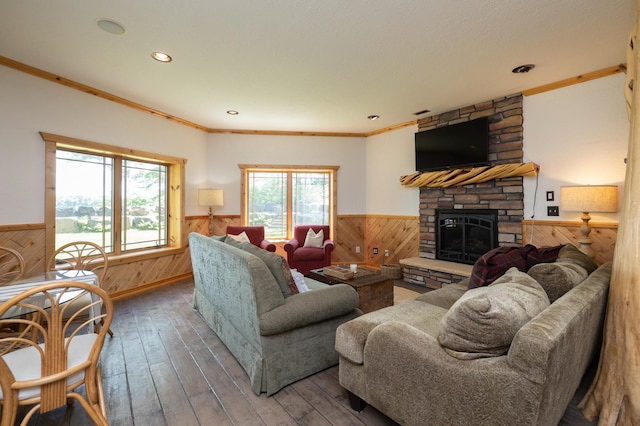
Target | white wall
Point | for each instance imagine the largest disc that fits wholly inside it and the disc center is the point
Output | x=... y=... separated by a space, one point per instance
x=389 y=156
x=579 y=136
x=226 y=151
x=29 y=105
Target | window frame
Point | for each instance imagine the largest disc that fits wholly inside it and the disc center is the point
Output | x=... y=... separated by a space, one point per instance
x=333 y=181
x=175 y=194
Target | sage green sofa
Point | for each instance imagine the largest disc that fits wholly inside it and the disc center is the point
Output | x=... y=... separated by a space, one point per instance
x=409 y=361
x=276 y=336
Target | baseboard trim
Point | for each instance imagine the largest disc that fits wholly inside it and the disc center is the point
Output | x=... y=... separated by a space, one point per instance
x=146 y=287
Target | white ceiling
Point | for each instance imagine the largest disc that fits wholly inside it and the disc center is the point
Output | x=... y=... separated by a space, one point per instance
x=315 y=65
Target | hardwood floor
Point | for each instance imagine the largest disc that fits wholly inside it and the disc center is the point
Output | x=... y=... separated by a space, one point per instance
x=165 y=366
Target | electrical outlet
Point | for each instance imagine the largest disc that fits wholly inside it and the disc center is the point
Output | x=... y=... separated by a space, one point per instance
x=357 y=249
x=386 y=252
x=375 y=250
x=553 y=211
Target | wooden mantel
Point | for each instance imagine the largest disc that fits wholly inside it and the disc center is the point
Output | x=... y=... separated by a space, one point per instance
x=459 y=177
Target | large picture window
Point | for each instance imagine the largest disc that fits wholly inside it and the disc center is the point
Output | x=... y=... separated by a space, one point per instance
x=119 y=199
x=281 y=198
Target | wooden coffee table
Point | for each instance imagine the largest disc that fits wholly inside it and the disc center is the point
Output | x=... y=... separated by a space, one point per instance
x=374 y=289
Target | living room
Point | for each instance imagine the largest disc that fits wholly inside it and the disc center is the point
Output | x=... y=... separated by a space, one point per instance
x=577 y=132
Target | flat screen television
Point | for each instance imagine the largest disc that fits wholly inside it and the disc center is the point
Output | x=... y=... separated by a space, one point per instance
x=455 y=146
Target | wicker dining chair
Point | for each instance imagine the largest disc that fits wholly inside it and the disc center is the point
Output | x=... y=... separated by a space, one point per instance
x=81 y=255
x=12 y=265
x=60 y=354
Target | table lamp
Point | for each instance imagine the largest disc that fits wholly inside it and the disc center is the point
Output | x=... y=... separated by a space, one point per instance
x=586 y=199
x=211 y=198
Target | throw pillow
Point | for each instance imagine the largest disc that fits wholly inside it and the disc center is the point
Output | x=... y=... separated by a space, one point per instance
x=557 y=278
x=300 y=282
x=288 y=276
x=571 y=253
x=241 y=237
x=542 y=255
x=496 y=262
x=272 y=260
x=484 y=321
x=314 y=240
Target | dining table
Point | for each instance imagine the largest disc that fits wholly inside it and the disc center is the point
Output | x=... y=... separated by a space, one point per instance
x=10 y=290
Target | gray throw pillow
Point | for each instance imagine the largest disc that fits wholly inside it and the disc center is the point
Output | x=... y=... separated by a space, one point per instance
x=557 y=278
x=571 y=253
x=483 y=322
x=273 y=262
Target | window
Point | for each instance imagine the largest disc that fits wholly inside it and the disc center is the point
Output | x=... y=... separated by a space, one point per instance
x=125 y=201
x=280 y=198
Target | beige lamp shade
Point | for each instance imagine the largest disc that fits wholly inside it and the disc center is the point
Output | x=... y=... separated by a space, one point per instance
x=211 y=197
x=590 y=198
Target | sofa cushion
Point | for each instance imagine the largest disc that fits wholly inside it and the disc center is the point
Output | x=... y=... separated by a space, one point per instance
x=570 y=253
x=446 y=296
x=494 y=263
x=272 y=260
x=351 y=337
x=483 y=322
x=308 y=253
x=558 y=277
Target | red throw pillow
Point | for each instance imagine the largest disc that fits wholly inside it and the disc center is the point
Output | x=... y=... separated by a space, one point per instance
x=494 y=263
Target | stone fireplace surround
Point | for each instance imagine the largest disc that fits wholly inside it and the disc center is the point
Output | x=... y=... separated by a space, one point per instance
x=504 y=195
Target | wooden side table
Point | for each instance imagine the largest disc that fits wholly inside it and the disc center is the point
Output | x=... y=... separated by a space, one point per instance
x=375 y=290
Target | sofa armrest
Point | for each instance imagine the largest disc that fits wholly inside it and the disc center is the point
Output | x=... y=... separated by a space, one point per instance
x=309 y=307
x=268 y=246
x=291 y=246
x=328 y=246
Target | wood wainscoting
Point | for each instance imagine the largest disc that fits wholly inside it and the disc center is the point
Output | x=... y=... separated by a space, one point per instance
x=125 y=275
x=398 y=234
x=553 y=233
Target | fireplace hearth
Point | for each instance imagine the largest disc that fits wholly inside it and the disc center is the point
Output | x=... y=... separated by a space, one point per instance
x=463 y=235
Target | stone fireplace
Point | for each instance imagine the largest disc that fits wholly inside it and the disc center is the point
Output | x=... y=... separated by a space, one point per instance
x=502 y=196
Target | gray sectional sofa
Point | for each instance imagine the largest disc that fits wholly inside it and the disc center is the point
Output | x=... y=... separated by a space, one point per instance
x=511 y=353
x=277 y=336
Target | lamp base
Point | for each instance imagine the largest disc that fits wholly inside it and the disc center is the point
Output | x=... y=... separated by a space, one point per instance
x=585 y=241
x=210 y=221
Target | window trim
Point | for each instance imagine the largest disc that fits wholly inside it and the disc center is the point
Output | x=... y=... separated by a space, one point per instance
x=244 y=185
x=175 y=195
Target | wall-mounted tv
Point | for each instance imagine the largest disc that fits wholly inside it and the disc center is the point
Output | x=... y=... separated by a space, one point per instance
x=455 y=146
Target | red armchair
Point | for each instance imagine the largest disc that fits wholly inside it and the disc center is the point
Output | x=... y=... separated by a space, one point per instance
x=255 y=234
x=303 y=258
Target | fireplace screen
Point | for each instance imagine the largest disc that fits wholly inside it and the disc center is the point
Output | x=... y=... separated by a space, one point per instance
x=464 y=235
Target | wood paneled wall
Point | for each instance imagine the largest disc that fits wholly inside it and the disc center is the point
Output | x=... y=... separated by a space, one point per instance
x=28 y=240
x=553 y=233
x=125 y=275
x=398 y=234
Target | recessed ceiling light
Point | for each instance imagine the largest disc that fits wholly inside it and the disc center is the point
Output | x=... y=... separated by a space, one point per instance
x=110 y=26
x=232 y=112
x=161 y=57
x=522 y=69
x=373 y=117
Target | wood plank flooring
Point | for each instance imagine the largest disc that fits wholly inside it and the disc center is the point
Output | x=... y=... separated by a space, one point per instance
x=165 y=366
